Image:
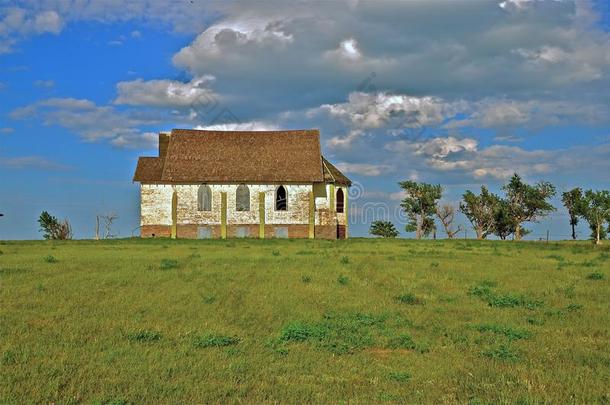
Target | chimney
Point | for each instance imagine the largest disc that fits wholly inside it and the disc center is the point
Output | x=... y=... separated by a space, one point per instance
x=163 y=143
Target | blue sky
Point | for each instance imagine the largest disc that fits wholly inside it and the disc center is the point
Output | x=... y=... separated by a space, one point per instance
x=460 y=93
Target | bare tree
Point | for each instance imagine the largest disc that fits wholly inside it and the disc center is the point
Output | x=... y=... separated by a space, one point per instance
x=107 y=220
x=446 y=214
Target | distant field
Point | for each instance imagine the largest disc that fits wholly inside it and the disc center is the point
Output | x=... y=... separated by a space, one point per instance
x=292 y=321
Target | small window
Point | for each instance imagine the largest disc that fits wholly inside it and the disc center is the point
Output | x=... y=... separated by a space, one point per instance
x=242 y=198
x=281 y=199
x=204 y=232
x=281 y=232
x=242 y=232
x=340 y=200
x=204 y=198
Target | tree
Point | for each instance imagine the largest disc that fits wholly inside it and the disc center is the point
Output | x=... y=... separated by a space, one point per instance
x=504 y=224
x=108 y=219
x=53 y=228
x=595 y=209
x=480 y=209
x=446 y=214
x=428 y=227
x=385 y=229
x=527 y=203
x=572 y=200
x=420 y=206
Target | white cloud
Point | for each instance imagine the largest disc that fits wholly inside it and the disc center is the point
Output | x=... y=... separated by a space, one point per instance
x=16 y=23
x=241 y=126
x=364 y=169
x=347 y=51
x=167 y=93
x=364 y=110
x=7 y=130
x=463 y=156
x=90 y=121
x=136 y=34
x=31 y=162
x=47 y=84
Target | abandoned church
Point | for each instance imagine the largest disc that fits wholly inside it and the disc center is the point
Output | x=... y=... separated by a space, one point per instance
x=227 y=184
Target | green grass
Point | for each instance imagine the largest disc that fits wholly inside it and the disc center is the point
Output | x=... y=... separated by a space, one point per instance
x=294 y=321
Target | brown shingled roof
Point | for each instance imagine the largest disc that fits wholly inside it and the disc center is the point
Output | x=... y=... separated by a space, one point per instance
x=149 y=169
x=334 y=175
x=239 y=156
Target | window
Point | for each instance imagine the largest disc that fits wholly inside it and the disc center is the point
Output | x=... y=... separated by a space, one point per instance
x=281 y=199
x=242 y=198
x=340 y=200
x=204 y=198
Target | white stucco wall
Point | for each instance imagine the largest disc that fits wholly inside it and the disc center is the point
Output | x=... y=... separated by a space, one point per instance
x=156 y=203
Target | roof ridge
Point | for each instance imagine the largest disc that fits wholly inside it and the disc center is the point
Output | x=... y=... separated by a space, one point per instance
x=326 y=166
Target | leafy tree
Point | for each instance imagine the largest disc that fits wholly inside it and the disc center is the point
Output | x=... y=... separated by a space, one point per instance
x=446 y=214
x=595 y=209
x=572 y=200
x=480 y=211
x=53 y=228
x=526 y=202
x=504 y=224
x=428 y=227
x=385 y=229
x=420 y=206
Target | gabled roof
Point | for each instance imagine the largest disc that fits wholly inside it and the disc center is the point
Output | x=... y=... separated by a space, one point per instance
x=198 y=156
x=334 y=175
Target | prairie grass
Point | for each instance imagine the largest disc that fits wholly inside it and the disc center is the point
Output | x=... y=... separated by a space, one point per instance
x=304 y=321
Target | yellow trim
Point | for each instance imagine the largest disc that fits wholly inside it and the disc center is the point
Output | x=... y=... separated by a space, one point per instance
x=312 y=214
x=223 y=215
x=261 y=214
x=174 y=231
x=345 y=212
x=332 y=198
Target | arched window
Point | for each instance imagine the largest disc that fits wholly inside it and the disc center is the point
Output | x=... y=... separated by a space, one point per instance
x=281 y=199
x=340 y=200
x=242 y=198
x=204 y=198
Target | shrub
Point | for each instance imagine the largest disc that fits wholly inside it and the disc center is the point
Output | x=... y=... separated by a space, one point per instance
x=409 y=299
x=168 y=264
x=343 y=280
x=384 y=229
x=399 y=376
x=595 y=276
x=211 y=340
x=507 y=331
x=275 y=253
x=144 y=336
x=574 y=307
x=306 y=279
x=485 y=293
x=503 y=352
x=344 y=260
x=299 y=332
x=403 y=341
x=53 y=229
x=50 y=259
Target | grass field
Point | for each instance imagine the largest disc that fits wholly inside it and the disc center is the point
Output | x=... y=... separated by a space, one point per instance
x=292 y=321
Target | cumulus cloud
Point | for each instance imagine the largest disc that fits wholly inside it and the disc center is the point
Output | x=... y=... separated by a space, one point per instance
x=45 y=84
x=241 y=126
x=364 y=169
x=464 y=156
x=16 y=23
x=364 y=110
x=31 y=162
x=90 y=121
x=166 y=93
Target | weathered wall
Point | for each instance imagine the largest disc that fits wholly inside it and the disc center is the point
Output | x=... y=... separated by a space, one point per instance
x=156 y=206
